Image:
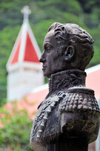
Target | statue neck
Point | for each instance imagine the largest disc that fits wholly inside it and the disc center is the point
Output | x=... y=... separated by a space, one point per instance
x=65 y=79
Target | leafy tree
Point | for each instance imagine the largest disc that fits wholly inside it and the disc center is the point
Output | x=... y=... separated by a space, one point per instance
x=15 y=135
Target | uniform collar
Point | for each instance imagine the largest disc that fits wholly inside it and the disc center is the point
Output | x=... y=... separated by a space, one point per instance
x=66 y=79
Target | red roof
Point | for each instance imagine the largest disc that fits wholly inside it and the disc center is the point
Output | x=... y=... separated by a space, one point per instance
x=30 y=52
x=26 y=48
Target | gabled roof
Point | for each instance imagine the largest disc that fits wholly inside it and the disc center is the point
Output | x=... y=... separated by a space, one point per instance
x=25 y=48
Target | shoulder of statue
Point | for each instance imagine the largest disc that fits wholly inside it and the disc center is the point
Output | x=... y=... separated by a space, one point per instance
x=79 y=99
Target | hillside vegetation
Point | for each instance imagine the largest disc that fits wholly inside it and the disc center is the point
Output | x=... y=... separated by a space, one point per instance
x=44 y=13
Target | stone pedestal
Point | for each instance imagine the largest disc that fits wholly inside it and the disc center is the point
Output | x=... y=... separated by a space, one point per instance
x=72 y=144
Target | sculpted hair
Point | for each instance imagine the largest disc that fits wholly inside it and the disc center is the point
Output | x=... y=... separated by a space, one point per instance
x=72 y=34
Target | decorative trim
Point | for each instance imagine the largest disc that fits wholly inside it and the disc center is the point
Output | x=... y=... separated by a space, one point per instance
x=80 y=99
x=48 y=111
x=66 y=79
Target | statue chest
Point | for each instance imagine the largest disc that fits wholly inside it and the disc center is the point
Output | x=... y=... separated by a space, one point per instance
x=46 y=120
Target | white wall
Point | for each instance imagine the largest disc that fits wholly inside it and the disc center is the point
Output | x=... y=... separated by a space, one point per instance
x=22 y=81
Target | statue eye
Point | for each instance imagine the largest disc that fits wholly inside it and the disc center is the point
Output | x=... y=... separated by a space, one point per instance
x=48 y=47
x=58 y=38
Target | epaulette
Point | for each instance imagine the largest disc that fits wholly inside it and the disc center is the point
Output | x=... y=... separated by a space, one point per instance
x=80 y=99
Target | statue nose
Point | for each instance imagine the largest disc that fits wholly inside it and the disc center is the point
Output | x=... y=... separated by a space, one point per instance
x=42 y=59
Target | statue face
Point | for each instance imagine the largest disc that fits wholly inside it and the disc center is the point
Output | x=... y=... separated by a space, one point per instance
x=52 y=62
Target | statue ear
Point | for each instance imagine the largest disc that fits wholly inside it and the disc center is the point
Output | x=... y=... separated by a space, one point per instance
x=69 y=53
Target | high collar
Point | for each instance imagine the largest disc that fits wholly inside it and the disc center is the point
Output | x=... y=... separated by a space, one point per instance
x=65 y=79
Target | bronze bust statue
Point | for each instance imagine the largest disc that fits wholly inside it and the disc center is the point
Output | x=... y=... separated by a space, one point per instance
x=68 y=117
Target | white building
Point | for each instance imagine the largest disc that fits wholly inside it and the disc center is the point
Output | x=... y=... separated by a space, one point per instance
x=24 y=68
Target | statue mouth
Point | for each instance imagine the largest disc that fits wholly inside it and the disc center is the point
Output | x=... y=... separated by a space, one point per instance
x=43 y=67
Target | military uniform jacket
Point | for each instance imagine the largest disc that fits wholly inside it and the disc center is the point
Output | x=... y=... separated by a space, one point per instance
x=69 y=96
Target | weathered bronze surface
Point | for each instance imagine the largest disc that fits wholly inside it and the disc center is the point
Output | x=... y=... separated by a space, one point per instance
x=68 y=118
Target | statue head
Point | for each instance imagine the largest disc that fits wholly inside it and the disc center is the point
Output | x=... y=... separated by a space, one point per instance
x=66 y=46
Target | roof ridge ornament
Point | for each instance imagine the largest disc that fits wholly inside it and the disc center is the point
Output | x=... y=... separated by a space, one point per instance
x=25 y=11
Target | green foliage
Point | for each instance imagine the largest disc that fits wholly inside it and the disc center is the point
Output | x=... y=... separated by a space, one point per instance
x=44 y=13
x=16 y=132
